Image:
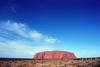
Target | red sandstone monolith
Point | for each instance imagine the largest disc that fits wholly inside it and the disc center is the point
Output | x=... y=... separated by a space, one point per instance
x=54 y=55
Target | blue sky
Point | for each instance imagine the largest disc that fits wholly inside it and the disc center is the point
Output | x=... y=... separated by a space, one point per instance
x=30 y=26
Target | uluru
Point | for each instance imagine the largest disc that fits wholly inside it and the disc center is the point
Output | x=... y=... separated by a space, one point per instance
x=54 y=55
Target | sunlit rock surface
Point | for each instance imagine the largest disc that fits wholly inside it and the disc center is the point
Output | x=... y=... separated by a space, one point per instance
x=54 y=55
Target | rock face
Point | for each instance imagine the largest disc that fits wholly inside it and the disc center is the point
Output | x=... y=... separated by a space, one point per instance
x=54 y=55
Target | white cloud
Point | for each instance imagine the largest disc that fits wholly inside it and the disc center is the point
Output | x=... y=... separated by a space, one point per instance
x=87 y=53
x=23 y=47
x=50 y=40
x=18 y=28
x=16 y=46
x=36 y=35
x=25 y=31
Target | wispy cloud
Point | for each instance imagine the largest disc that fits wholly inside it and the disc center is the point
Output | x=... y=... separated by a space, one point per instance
x=15 y=27
x=87 y=53
x=36 y=35
x=50 y=40
x=20 y=39
x=21 y=48
x=25 y=31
